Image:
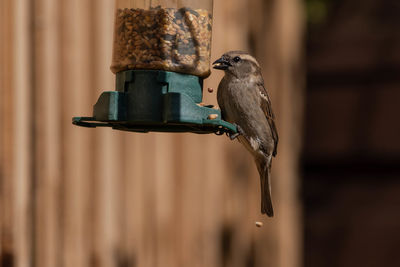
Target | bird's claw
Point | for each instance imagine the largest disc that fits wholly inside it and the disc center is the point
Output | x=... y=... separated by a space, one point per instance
x=235 y=135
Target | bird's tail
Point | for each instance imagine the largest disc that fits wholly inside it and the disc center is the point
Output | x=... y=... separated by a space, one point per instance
x=264 y=169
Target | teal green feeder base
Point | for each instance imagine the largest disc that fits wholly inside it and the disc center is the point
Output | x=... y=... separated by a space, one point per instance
x=156 y=101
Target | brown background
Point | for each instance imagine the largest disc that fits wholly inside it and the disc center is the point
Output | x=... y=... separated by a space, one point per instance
x=76 y=197
x=351 y=155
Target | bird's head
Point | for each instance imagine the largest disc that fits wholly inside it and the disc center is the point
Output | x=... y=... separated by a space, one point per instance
x=237 y=63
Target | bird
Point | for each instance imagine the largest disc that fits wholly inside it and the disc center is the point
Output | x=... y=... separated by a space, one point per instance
x=244 y=101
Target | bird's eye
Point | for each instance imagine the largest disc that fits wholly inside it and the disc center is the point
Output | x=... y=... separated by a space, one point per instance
x=237 y=59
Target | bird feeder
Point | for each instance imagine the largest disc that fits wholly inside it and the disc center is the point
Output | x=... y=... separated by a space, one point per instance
x=161 y=54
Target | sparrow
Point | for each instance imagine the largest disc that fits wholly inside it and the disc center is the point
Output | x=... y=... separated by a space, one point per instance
x=244 y=102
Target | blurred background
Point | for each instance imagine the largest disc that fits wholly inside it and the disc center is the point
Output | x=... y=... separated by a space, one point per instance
x=72 y=196
x=351 y=151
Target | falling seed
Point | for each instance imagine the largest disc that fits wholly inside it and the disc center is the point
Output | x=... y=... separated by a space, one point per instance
x=259 y=224
x=210 y=90
x=212 y=116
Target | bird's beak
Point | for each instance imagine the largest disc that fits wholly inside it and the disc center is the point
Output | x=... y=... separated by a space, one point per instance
x=221 y=64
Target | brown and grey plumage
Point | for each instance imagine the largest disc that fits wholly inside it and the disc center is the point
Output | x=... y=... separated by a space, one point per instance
x=244 y=101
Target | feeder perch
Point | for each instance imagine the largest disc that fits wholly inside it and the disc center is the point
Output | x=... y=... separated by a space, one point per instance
x=161 y=55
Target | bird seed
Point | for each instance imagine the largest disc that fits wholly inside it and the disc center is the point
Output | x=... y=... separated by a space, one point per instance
x=168 y=39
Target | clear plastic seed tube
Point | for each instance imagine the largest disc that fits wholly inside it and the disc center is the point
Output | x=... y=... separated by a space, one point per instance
x=169 y=35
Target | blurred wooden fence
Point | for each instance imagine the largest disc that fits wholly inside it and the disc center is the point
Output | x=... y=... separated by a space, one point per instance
x=73 y=196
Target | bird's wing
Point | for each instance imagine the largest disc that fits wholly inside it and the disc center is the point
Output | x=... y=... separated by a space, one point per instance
x=269 y=114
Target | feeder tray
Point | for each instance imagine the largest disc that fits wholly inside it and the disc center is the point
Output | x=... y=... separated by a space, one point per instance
x=156 y=101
